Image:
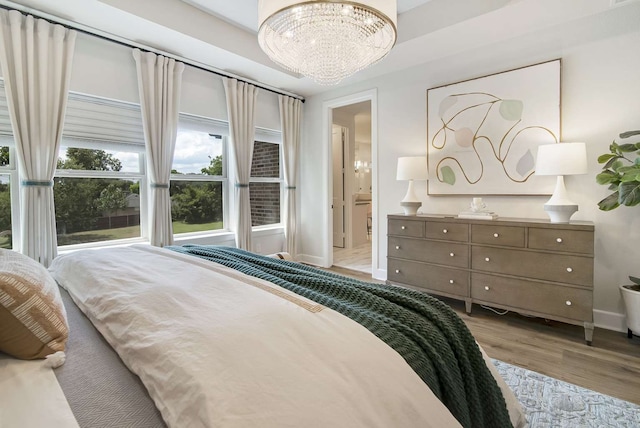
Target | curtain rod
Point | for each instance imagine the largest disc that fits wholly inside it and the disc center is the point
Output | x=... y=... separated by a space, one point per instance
x=8 y=5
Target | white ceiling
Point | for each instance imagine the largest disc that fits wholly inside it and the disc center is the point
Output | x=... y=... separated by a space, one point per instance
x=244 y=13
x=428 y=30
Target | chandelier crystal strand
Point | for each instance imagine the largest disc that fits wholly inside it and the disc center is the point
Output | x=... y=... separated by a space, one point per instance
x=327 y=41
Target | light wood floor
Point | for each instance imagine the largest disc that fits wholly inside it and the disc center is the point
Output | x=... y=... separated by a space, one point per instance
x=356 y=258
x=611 y=366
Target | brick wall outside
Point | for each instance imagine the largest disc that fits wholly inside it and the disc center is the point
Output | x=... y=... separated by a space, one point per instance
x=265 y=197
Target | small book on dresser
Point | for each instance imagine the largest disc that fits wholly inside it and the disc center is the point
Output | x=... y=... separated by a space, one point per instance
x=479 y=215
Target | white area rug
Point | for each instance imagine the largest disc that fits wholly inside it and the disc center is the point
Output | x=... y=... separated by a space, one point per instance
x=550 y=402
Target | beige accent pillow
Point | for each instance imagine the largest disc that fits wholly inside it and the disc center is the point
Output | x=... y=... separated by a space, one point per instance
x=33 y=322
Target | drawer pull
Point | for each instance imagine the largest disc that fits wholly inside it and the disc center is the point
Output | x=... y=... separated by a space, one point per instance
x=451 y=254
x=397 y=247
x=404 y=227
x=569 y=270
x=397 y=270
x=559 y=240
x=568 y=302
x=451 y=281
x=486 y=259
x=486 y=288
x=495 y=235
x=444 y=230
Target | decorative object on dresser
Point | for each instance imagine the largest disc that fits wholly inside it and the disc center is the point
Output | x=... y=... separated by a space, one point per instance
x=411 y=168
x=561 y=159
x=478 y=210
x=529 y=266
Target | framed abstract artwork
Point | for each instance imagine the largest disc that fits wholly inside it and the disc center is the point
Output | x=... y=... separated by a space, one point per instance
x=483 y=133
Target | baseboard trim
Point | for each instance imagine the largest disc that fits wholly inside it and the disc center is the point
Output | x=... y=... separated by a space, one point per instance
x=609 y=320
x=311 y=260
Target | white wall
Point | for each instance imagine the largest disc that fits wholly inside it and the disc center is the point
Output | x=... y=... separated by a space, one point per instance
x=600 y=99
x=108 y=70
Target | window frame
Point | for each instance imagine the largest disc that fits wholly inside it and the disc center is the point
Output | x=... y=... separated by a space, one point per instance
x=203 y=125
x=271 y=137
x=11 y=171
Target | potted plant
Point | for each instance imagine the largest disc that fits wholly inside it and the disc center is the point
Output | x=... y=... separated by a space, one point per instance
x=621 y=172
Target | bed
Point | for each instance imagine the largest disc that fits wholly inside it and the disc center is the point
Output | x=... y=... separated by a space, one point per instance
x=158 y=336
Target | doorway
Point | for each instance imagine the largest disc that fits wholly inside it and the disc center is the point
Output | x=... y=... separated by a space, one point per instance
x=352 y=186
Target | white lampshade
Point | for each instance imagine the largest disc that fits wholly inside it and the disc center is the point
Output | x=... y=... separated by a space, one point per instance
x=412 y=168
x=327 y=40
x=562 y=159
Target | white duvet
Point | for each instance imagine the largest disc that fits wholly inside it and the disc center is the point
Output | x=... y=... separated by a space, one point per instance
x=216 y=348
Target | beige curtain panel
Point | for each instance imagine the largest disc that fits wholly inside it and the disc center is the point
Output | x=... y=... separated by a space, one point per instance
x=159 y=83
x=241 y=101
x=290 y=121
x=36 y=58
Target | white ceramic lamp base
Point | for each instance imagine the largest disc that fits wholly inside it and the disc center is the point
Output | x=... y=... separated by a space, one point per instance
x=560 y=213
x=560 y=208
x=410 y=203
x=410 y=208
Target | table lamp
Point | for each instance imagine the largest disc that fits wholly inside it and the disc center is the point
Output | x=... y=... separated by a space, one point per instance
x=411 y=168
x=561 y=159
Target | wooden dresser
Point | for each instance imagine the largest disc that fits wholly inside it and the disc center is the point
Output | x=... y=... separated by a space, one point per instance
x=529 y=266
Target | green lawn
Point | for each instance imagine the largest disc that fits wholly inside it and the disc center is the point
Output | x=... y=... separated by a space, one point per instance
x=129 y=232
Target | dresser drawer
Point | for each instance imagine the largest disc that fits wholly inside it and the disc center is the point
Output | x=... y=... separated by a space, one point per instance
x=446 y=231
x=435 y=278
x=406 y=228
x=554 y=300
x=510 y=236
x=552 y=267
x=444 y=253
x=571 y=241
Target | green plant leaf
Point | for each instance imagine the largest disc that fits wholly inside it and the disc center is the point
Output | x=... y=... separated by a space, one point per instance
x=607 y=177
x=629 y=134
x=609 y=203
x=629 y=176
x=627 y=148
x=617 y=164
x=609 y=164
x=637 y=161
x=448 y=176
x=634 y=279
x=605 y=157
x=629 y=193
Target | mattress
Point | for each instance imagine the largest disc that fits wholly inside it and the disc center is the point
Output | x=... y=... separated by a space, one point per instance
x=103 y=390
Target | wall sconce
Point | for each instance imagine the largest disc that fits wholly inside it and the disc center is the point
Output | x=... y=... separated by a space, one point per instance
x=411 y=168
x=561 y=159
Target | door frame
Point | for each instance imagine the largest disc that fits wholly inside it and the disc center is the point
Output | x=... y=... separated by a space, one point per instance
x=327 y=122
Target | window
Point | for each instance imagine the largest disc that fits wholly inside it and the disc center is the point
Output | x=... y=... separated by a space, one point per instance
x=97 y=195
x=99 y=191
x=8 y=178
x=265 y=184
x=198 y=179
x=5 y=211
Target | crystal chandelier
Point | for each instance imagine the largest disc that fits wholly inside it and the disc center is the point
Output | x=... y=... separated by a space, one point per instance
x=326 y=40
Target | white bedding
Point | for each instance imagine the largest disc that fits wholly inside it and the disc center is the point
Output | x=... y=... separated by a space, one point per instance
x=217 y=348
x=30 y=396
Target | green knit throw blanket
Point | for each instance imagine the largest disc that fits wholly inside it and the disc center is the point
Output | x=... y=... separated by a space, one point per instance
x=427 y=333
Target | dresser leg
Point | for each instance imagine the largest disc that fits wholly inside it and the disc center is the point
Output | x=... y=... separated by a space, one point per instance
x=467 y=306
x=588 y=332
x=629 y=334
